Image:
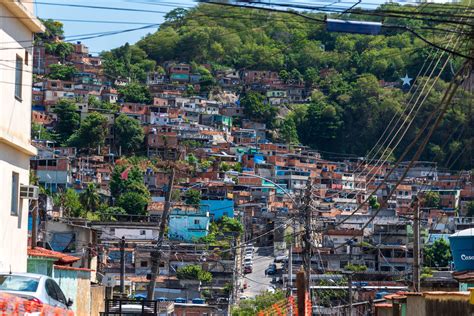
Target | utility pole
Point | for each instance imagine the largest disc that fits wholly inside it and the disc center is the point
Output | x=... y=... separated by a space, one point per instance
x=301 y=291
x=34 y=227
x=416 y=244
x=307 y=215
x=156 y=253
x=290 y=261
x=349 y=280
x=122 y=265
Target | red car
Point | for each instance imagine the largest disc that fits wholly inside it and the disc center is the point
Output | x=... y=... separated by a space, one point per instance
x=247 y=270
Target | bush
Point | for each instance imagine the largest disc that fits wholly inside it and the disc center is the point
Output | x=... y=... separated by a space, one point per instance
x=194 y=272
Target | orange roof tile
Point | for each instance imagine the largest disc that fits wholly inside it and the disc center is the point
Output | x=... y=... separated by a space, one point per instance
x=45 y=253
x=72 y=268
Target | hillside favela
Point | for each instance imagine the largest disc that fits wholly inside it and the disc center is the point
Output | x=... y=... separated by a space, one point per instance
x=236 y=158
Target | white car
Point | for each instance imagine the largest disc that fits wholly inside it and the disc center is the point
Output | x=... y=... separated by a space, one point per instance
x=248 y=261
x=34 y=287
x=248 y=257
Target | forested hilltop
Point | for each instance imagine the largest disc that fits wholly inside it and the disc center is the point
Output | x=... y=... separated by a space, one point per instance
x=355 y=78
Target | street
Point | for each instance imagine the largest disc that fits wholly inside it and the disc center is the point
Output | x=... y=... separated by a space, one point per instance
x=257 y=281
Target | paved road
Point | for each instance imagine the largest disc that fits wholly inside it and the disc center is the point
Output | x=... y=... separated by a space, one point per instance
x=257 y=281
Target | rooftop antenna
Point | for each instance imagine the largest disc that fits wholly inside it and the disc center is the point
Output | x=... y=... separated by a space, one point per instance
x=10 y=269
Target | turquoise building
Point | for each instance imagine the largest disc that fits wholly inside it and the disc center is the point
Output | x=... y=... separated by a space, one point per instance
x=218 y=208
x=188 y=225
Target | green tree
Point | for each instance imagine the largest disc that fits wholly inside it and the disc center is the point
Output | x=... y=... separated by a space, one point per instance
x=121 y=183
x=129 y=133
x=91 y=134
x=193 y=272
x=373 y=203
x=134 y=203
x=38 y=131
x=53 y=29
x=255 y=108
x=284 y=75
x=90 y=198
x=322 y=125
x=431 y=199
x=136 y=93
x=193 y=197
x=288 y=131
x=70 y=203
x=68 y=119
x=61 y=72
x=260 y=302
x=438 y=254
x=231 y=225
x=176 y=16
x=128 y=189
x=111 y=213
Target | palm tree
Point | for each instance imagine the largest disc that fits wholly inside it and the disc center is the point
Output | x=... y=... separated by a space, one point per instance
x=90 y=198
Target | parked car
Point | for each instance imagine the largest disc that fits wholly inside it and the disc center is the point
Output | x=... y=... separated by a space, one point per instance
x=280 y=259
x=271 y=270
x=248 y=261
x=222 y=300
x=34 y=287
x=247 y=270
x=248 y=257
x=162 y=299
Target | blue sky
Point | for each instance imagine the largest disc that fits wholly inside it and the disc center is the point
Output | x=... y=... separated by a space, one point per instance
x=105 y=43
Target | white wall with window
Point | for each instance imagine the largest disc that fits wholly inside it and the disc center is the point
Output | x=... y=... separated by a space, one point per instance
x=17 y=26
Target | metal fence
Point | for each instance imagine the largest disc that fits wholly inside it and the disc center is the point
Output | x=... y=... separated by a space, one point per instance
x=119 y=307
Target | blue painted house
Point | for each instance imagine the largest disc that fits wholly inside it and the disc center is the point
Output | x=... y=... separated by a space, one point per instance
x=218 y=208
x=188 y=225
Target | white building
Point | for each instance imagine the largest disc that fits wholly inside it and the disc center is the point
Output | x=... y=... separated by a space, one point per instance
x=17 y=26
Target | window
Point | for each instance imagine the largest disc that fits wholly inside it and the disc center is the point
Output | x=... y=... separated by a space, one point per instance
x=26 y=57
x=143 y=264
x=59 y=293
x=50 y=290
x=18 y=77
x=15 y=193
x=196 y=222
x=18 y=283
x=143 y=232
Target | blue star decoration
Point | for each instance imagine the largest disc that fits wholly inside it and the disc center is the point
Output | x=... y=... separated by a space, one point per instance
x=406 y=80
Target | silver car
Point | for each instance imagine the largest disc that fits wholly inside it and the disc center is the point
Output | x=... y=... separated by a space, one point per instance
x=35 y=287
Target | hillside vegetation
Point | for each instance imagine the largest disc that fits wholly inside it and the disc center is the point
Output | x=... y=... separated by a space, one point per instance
x=350 y=108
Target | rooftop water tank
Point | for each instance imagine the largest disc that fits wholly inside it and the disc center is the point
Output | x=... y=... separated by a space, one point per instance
x=462 y=248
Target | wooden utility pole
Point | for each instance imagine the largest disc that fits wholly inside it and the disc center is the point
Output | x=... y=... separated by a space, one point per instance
x=416 y=244
x=301 y=291
x=34 y=227
x=122 y=265
x=156 y=253
x=307 y=215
